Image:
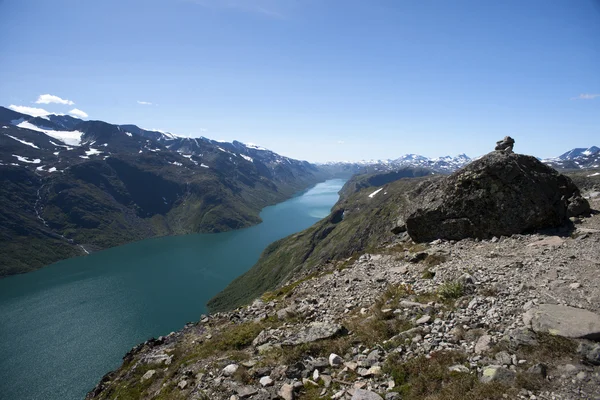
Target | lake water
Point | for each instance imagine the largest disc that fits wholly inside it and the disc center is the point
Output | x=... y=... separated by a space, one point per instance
x=64 y=326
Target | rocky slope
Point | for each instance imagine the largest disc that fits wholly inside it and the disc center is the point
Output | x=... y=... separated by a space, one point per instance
x=513 y=316
x=69 y=187
x=500 y=193
x=471 y=319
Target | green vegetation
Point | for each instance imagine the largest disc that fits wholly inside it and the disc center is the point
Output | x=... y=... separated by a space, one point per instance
x=125 y=198
x=429 y=378
x=451 y=291
x=228 y=341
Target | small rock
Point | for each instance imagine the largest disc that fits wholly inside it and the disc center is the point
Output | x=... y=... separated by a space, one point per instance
x=286 y=392
x=182 y=384
x=335 y=360
x=230 y=369
x=575 y=285
x=149 y=374
x=503 y=358
x=352 y=365
x=307 y=382
x=459 y=368
x=496 y=373
x=423 y=320
x=246 y=391
x=266 y=381
x=483 y=344
x=373 y=357
x=538 y=369
x=360 y=394
x=326 y=380
x=590 y=351
x=338 y=395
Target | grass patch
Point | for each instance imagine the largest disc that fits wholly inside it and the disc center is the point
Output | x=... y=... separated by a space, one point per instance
x=287 y=289
x=375 y=329
x=429 y=378
x=428 y=274
x=434 y=259
x=381 y=326
x=290 y=355
x=311 y=392
x=451 y=291
x=132 y=388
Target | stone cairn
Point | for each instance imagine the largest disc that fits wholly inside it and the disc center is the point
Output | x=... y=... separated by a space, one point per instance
x=505 y=145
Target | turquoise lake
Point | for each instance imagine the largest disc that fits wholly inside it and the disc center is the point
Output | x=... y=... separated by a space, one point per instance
x=64 y=326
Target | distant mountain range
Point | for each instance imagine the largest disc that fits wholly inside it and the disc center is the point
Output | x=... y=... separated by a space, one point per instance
x=69 y=186
x=445 y=164
x=579 y=158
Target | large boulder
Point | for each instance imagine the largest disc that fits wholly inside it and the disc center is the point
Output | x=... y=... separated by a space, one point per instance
x=565 y=321
x=502 y=193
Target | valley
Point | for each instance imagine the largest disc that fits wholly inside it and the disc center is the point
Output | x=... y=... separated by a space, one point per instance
x=79 y=316
x=70 y=187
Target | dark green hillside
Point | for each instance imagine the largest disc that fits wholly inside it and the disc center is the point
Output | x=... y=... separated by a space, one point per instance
x=25 y=243
x=104 y=203
x=116 y=184
x=356 y=223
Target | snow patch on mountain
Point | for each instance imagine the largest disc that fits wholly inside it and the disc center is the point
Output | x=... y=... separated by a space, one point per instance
x=375 y=192
x=22 y=141
x=254 y=146
x=27 y=160
x=92 y=152
x=72 y=138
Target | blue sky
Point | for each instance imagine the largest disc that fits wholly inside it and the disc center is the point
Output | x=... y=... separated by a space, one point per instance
x=317 y=79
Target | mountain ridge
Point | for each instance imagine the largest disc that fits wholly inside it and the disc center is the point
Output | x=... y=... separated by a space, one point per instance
x=70 y=186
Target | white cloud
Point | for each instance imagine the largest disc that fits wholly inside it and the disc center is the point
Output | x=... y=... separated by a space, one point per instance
x=340 y=142
x=36 y=112
x=144 y=103
x=586 y=96
x=49 y=98
x=78 y=113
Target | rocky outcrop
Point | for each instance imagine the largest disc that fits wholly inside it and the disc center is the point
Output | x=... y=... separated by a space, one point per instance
x=502 y=193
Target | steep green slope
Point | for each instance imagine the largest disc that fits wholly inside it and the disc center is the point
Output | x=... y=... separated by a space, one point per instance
x=71 y=186
x=356 y=223
x=25 y=242
x=98 y=204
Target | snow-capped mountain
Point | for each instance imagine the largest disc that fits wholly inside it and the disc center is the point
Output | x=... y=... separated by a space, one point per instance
x=578 y=158
x=446 y=164
x=55 y=142
x=71 y=186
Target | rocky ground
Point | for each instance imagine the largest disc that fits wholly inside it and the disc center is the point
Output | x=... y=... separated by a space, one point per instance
x=511 y=317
